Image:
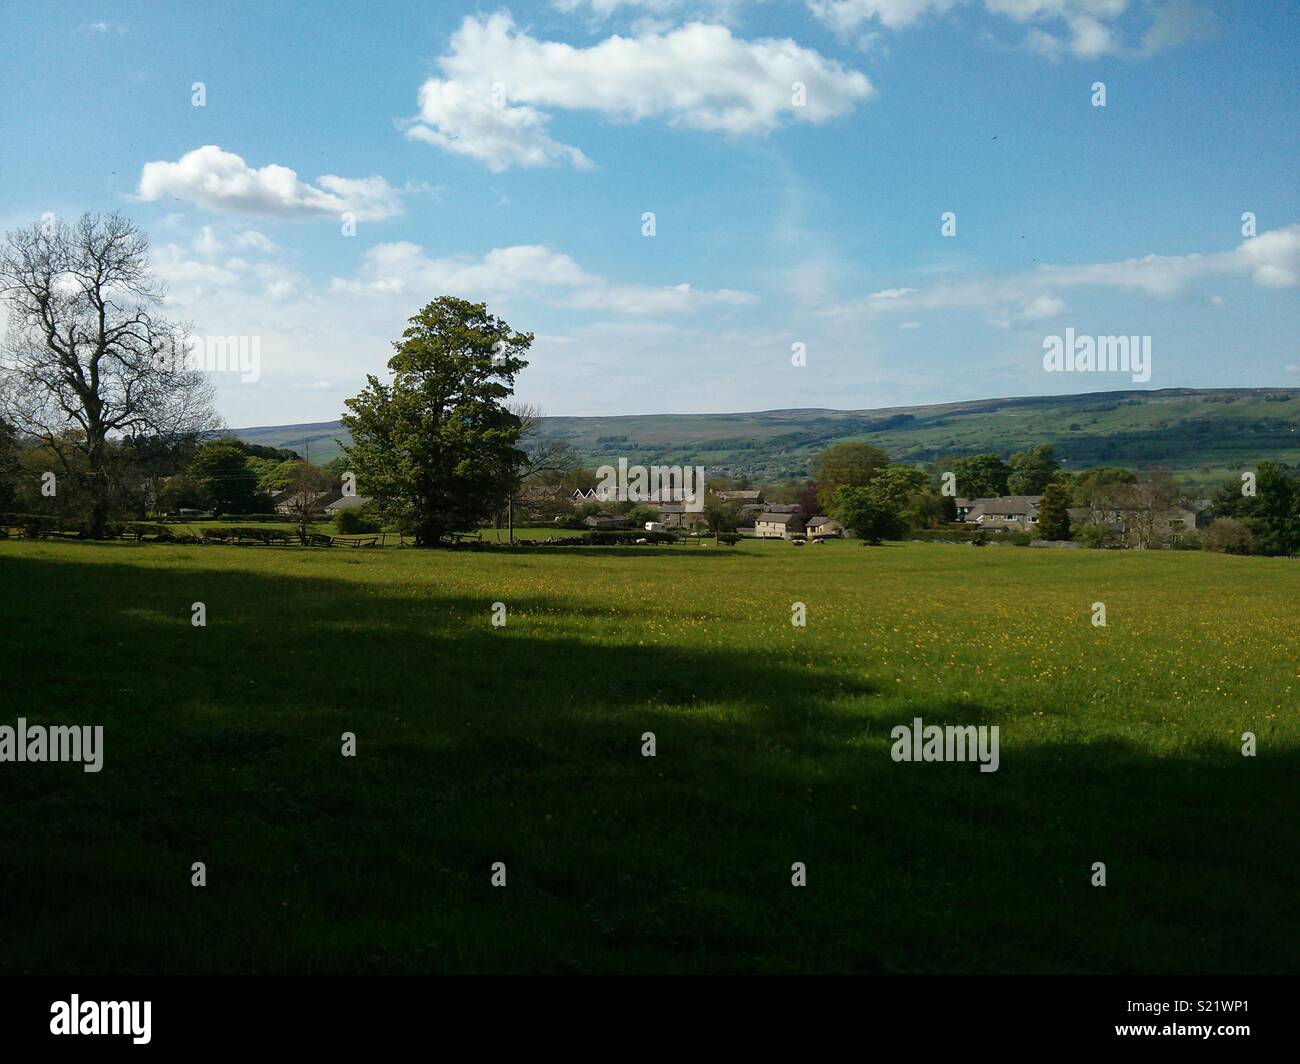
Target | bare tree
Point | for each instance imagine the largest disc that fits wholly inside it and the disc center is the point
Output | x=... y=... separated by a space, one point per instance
x=306 y=485
x=84 y=349
x=545 y=456
x=1145 y=507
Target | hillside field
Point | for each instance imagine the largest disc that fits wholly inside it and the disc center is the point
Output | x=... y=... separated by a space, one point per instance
x=522 y=744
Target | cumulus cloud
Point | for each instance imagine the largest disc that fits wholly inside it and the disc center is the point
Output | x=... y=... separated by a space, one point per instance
x=525 y=269
x=340 y=330
x=221 y=181
x=845 y=16
x=499 y=83
x=1084 y=28
x=1270 y=260
x=466 y=120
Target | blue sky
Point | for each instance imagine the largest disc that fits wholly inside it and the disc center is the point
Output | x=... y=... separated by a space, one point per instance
x=510 y=153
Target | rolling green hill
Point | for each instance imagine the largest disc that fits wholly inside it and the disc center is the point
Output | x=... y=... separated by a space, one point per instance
x=1204 y=435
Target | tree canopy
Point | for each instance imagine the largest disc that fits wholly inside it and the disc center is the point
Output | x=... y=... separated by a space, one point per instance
x=846 y=465
x=438 y=442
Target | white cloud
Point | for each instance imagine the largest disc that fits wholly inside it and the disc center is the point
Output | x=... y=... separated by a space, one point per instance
x=257 y=241
x=1084 y=28
x=318 y=341
x=647 y=299
x=209 y=243
x=1045 y=44
x=1273 y=257
x=845 y=16
x=467 y=121
x=1040 y=307
x=1270 y=260
x=498 y=82
x=526 y=269
x=221 y=181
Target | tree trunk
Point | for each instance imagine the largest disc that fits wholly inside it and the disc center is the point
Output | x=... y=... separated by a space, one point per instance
x=97 y=527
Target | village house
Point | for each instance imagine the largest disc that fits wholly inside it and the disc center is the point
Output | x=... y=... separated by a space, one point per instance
x=347 y=502
x=778 y=526
x=677 y=515
x=744 y=497
x=1017 y=513
x=284 y=502
x=1174 y=523
x=824 y=526
x=605 y=522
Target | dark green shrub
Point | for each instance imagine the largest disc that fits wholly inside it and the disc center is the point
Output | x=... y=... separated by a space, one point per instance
x=140 y=529
x=357 y=521
x=1098 y=537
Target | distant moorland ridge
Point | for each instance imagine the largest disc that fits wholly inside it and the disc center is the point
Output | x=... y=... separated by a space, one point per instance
x=1199 y=433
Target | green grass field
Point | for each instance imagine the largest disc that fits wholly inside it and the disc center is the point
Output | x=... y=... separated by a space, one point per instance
x=522 y=744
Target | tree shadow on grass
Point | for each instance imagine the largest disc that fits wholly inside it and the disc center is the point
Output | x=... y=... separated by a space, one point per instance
x=525 y=746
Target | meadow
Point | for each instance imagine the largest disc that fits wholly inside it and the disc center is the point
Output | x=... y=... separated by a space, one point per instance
x=522 y=744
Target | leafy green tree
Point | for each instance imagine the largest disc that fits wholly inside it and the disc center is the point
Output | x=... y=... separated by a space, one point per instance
x=1098 y=484
x=1098 y=537
x=981 y=476
x=179 y=492
x=642 y=513
x=721 y=515
x=358 y=520
x=901 y=488
x=1227 y=535
x=1054 y=513
x=1274 y=516
x=1032 y=470
x=273 y=474
x=438 y=441
x=220 y=468
x=869 y=514
x=846 y=465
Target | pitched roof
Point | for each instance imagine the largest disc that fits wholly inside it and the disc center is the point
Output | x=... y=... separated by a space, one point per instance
x=1005 y=504
x=348 y=502
x=778 y=519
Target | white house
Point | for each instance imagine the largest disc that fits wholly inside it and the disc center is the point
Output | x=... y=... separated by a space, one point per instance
x=824 y=526
x=778 y=526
